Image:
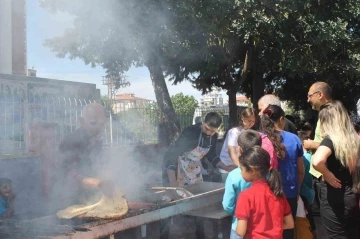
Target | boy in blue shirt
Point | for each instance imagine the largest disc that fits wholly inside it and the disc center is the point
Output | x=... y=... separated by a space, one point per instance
x=235 y=183
x=6 y=198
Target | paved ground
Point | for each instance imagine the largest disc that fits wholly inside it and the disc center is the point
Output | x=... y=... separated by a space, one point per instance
x=184 y=228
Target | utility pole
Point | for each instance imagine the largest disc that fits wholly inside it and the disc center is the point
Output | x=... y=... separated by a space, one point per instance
x=113 y=83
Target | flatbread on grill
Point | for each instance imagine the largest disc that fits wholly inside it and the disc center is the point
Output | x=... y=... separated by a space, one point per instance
x=108 y=207
x=75 y=211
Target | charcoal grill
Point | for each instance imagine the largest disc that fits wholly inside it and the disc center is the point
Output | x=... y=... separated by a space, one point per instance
x=205 y=194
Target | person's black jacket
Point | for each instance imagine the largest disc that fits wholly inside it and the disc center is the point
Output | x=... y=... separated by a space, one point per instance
x=187 y=141
x=290 y=126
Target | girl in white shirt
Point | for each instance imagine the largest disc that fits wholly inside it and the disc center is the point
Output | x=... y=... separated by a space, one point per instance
x=229 y=155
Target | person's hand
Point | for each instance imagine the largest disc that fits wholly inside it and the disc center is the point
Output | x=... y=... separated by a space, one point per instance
x=174 y=183
x=330 y=178
x=230 y=168
x=225 y=167
x=91 y=182
x=107 y=187
x=307 y=143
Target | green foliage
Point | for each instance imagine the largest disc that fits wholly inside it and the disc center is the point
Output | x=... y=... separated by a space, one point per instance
x=135 y=125
x=184 y=104
x=291 y=43
x=302 y=42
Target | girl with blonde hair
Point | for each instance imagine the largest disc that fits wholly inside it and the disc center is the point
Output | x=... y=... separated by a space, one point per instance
x=229 y=155
x=337 y=159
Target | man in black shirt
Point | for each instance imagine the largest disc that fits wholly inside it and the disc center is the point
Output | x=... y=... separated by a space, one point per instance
x=75 y=174
x=182 y=162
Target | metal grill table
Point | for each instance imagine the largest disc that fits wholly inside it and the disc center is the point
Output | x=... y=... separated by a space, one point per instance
x=205 y=194
x=215 y=214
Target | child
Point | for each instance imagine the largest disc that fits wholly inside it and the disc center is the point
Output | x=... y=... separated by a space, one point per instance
x=302 y=225
x=307 y=191
x=262 y=210
x=235 y=183
x=6 y=198
x=229 y=154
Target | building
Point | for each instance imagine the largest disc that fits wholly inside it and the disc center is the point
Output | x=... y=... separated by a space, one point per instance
x=127 y=101
x=13 y=52
x=26 y=89
x=212 y=99
x=242 y=100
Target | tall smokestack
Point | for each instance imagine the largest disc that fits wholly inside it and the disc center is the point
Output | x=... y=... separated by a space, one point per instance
x=6 y=37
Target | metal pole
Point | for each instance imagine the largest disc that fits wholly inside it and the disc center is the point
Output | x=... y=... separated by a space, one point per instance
x=70 y=115
x=111 y=130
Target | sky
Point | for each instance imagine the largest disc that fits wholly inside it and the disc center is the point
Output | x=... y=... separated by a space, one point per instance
x=42 y=25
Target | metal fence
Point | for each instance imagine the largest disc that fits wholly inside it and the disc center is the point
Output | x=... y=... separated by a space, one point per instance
x=126 y=124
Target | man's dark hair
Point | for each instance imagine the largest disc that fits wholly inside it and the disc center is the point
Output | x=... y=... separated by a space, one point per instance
x=306 y=127
x=213 y=119
x=249 y=138
x=303 y=135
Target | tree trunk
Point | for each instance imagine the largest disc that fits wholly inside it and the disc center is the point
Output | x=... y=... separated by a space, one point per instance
x=232 y=90
x=171 y=123
x=232 y=107
x=258 y=84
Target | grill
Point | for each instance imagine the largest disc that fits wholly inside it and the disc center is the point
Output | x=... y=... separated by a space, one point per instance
x=205 y=194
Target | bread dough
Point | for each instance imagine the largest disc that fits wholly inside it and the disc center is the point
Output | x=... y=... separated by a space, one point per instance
x=107 y=208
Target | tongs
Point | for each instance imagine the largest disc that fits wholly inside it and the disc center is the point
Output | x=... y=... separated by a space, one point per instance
x=182 y=192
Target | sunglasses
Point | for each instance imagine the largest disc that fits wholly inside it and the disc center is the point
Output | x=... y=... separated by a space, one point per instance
x=310 y=95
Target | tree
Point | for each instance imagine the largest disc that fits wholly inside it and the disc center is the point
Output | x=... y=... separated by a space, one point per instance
x=117 y=34
x=276 y=46
x=248 y=46
x=210 y=53
x=301 y=42
x=185 y=107
x=184 y=104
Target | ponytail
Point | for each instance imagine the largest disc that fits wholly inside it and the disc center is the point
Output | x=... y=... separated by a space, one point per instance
x=258 y=159
x=274 y=181
x=271 y=115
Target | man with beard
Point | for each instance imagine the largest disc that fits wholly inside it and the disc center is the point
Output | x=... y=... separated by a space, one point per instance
x=182 y=163
x=319 y=94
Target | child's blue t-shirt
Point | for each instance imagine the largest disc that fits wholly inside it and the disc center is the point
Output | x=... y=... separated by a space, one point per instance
x=307 y=189
x=288 y=165
x=234 y=184
x=3 y=206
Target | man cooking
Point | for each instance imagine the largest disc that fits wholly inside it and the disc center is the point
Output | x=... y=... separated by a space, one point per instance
x=182 y=162
x=75 y=179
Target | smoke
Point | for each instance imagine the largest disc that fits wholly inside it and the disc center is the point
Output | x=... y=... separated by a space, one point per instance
x=115 y=34
x=118 y=34
x=132 y=169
